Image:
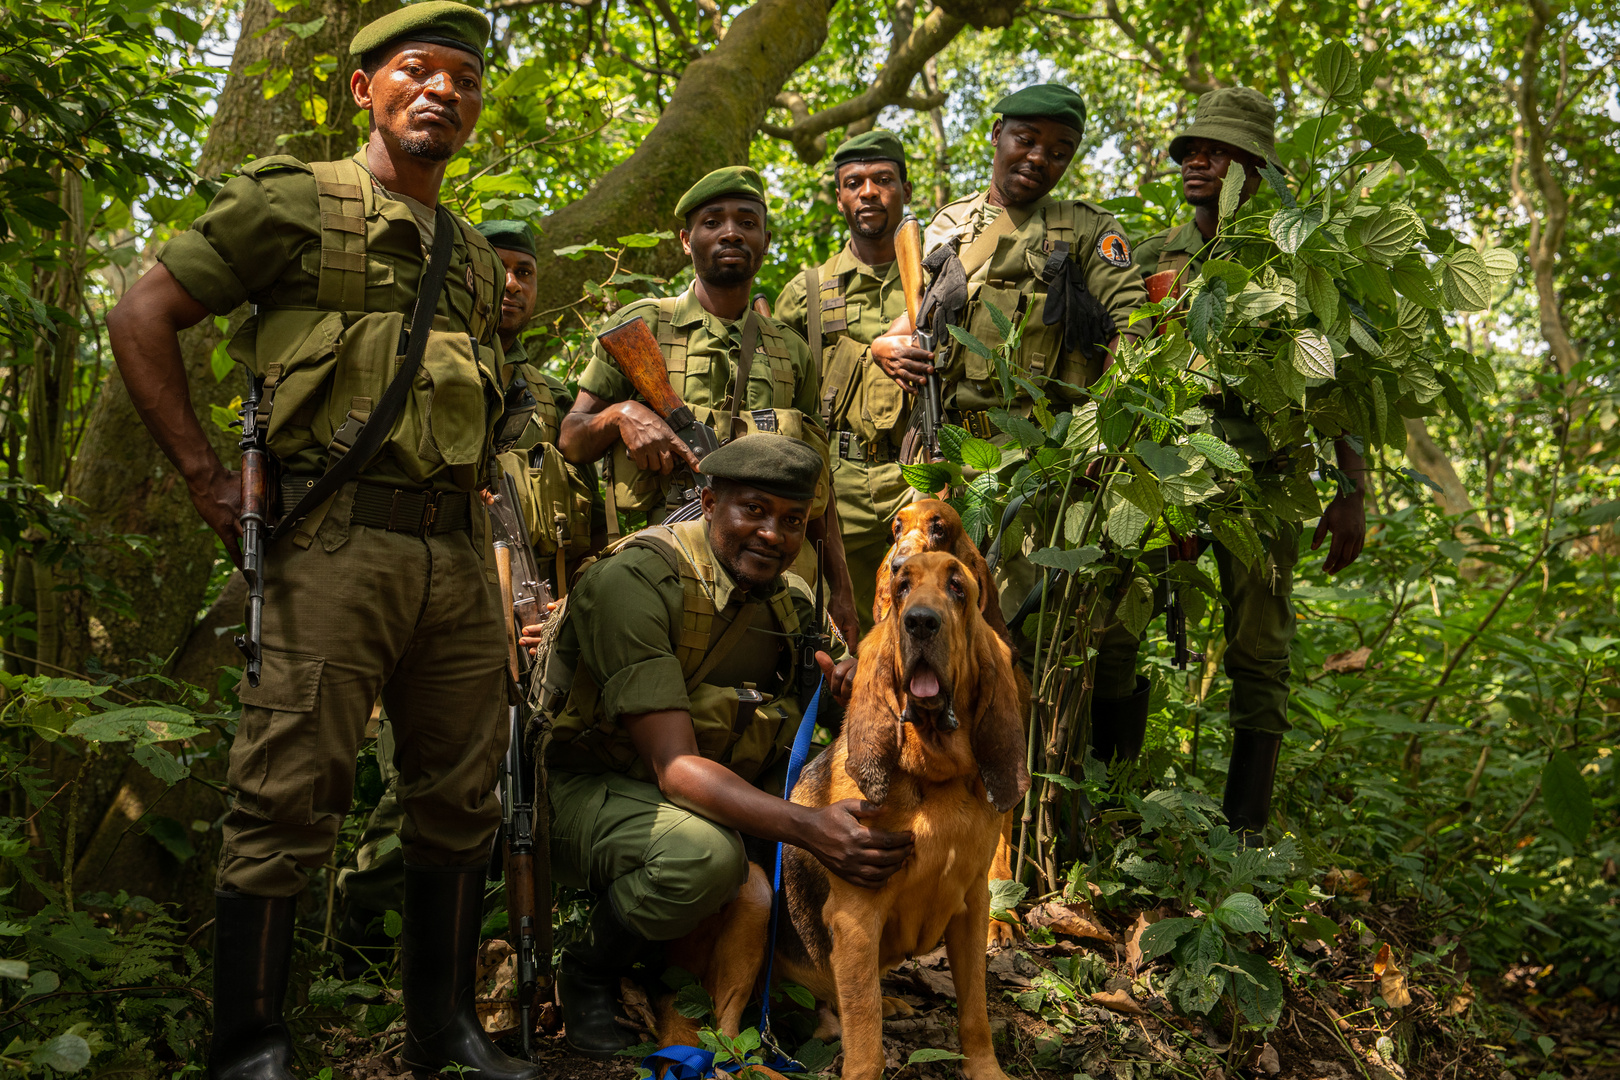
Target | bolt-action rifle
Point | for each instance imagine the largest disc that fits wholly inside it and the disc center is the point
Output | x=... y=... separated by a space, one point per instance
x=635 y=349
x=255 y=504
x=525 y=850
x=930 y=411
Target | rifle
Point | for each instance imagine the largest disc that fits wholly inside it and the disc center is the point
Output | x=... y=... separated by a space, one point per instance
x=523 y=809
x=761 y=305
x=255 y=488
x=813 y=640
x=634 y=348
x=930 y=413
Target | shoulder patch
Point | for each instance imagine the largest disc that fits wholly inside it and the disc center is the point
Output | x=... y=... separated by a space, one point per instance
x=1113 y=247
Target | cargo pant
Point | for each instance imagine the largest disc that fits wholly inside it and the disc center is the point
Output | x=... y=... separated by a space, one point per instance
x=410 y=619
x=1258 y=622
x=376 y=880
x=868 y=498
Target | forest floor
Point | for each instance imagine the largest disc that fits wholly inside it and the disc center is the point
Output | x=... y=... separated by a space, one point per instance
x=1084 y=1007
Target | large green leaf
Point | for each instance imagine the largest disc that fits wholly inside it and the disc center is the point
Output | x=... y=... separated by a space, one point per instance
x=1024 y=432
x=1231 y=194
x=1242 y=912
x=1255 y=303
x=927 y=478
x=1414 y=280
x=1292 y=227
x=1238 y=536
x=1125 y=523
x=1386 y=235
x=1466 y=280
x=1337 y=72
x=1206 y=318
x=1066 y=559
x=1321 y=293
x=1234 y=274
x=1569 y=801
x=1218 y=452
x=1136 y=608
x=1313 y=355
x=67 y=1053
x=1501 y=264
x=1162 y=936
x=980 y=454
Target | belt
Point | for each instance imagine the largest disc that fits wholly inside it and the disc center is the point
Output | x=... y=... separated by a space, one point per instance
x=978 y=424
x=378 y=506
x=851 y=447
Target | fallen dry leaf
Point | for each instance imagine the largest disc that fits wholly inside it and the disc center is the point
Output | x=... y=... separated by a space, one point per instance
x=1348 y=662
x=1266 y=1060
x=1391 y=982
x=1133 y=944
x=1350 y=884
x=1119 y=1001
x=928 y=979
x=637 y=1006
x=1076 y=920
x=1461 y=1001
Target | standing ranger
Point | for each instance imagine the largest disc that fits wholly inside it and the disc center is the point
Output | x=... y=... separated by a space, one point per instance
x=562 y=512
x=1066 y=262
x=381 y=588
x=1233 y=126
x=841 y=307
x=701 y=334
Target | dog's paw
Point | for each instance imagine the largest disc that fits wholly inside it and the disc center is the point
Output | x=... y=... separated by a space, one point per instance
x=1001 y=934
x=828 y=1027
x=893 y=1007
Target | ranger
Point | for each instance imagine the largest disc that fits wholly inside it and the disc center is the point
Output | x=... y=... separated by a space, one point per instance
x=671 y=689
x=1233 y=126
x=841 y=307
x=702 y=334
x=383 y=589
x=1024 y=252
x=563 y=511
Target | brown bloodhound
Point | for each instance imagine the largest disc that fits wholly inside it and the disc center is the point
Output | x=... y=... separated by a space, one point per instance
x=934 y=525
x=933 y=736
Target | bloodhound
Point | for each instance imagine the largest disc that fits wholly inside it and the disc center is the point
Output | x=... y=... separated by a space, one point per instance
x=934 y=738
x=934 y=525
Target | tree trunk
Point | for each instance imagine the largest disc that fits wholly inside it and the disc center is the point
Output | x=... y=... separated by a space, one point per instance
x=1427 y=458
x=127 y=485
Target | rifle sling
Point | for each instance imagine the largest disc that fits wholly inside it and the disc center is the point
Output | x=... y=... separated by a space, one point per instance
x=812 y=314
x=745 y=365
x=381 y=421
x=983 y=246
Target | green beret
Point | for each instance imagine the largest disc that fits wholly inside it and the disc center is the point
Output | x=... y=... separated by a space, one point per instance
x=437 y=22
x=776 y=464
x=1237 y=116
x=1047 y=100
x=512 y=235
x=874 y=145
x=737 y=181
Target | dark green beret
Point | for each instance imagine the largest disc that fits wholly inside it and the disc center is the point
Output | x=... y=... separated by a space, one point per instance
x=874 y=145
x=437 y=22
x=776 y=464
x=736 y=181
x=512 y=235
x=1050 y=101
x=1236 y=116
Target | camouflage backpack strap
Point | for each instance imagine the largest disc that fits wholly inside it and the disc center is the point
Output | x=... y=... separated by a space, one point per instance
x=671 y=341
x=487 y=270
x=346 y=200
x=832 y=310
x=812 y=311
x=691 y=637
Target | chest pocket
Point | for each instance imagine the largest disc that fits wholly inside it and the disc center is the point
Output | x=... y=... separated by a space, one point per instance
x=773 y=367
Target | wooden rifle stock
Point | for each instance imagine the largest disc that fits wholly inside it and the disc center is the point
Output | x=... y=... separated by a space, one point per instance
x=634 y=348
x=908 y=254
x=761 y=305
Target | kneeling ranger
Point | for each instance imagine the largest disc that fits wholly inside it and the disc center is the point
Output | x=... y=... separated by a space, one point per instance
x=375 y=584
x=671 y=689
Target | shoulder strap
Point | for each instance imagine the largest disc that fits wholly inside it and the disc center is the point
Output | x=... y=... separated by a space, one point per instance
x=1173 y=260
x=812 y=315
x=345 y=199
x=377 y=426
x=671 y=341
x=984 y=245
x=486 y=271
x=692 y=638
x=745 y=366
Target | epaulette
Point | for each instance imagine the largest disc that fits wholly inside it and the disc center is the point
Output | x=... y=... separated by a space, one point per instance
x=275 y=163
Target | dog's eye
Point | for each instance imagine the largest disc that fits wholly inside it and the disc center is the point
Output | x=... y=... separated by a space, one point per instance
x=902 y=586
x=958 y=590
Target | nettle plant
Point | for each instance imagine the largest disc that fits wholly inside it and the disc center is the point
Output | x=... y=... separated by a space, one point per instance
x=1321 y=310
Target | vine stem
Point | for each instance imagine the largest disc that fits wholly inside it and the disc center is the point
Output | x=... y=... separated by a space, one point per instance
x=70 y=839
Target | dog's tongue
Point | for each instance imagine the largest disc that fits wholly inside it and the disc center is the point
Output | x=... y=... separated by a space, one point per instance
x=924 y=684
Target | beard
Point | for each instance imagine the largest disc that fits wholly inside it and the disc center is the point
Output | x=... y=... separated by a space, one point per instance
x=427 y=146
x=1202 y=200
x=873 y=230
x=724 y=276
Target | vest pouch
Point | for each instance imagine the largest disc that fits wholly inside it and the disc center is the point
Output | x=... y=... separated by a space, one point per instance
x=446 y=419
x=883 y=402
x=745 y=744
x=309 y=346
x=981 y=325
x=772 y=370
x=551 y=487
x=841 y=364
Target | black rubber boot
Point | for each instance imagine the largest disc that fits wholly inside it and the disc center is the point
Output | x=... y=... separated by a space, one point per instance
x=362 y=944
x=252 y=951
x=1249 y=779
x=588 y=984
x=1118 y=725
x=443 y=912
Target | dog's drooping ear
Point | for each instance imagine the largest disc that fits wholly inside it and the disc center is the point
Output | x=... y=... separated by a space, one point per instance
x=872 y=721
x=998 y=728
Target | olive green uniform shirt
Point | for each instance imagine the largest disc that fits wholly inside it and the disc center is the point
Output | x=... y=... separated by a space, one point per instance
x=1184 y=240
x=1010 y=279
x=712 y=349
x=260 y=241
x=869 y=404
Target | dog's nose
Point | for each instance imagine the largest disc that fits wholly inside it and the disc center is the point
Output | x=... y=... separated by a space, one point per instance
x=922 y=622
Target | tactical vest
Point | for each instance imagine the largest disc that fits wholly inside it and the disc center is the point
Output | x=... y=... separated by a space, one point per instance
x=1015 y=280
x=632 y=488
x=325 y=367
x=745 y=738
x=856 y=394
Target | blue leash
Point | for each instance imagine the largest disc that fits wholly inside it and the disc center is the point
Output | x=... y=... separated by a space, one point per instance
x=695 y=1063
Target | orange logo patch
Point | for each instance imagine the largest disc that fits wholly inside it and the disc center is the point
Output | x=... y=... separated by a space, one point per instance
x=1113 y=247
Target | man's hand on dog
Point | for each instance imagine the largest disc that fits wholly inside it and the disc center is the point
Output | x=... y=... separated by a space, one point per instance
x=846 y=845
